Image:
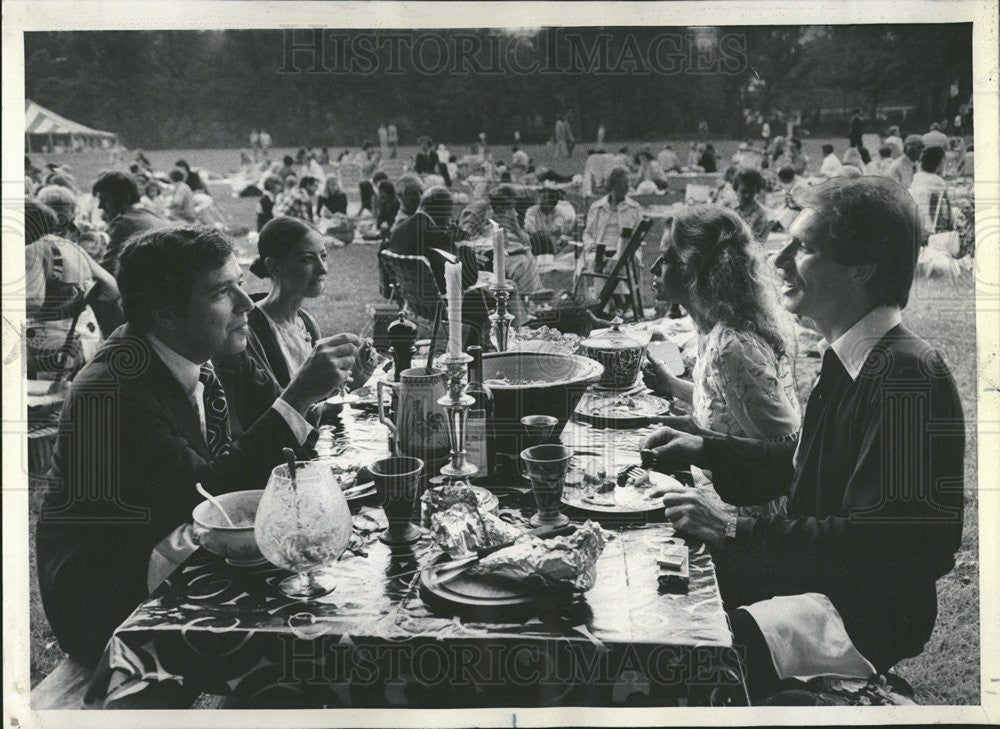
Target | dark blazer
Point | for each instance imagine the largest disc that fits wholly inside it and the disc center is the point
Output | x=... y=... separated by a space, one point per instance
x=875 y=498
x=419 y=236
x=270 y=350
x=128 y=454
x=134 y=220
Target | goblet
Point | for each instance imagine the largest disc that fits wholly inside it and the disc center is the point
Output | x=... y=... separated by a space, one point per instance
x=538 y=428
x=397 y=480
x=303 y=525
x=546 y=466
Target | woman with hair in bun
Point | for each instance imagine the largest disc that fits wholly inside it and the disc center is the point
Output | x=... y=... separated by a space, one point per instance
x=743 y=383
x=293 y=255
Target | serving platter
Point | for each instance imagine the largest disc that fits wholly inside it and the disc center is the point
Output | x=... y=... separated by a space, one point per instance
x=620 y=409
x=480 y=598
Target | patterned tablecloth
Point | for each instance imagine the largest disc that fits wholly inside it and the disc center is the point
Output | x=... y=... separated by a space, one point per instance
x=373 y=642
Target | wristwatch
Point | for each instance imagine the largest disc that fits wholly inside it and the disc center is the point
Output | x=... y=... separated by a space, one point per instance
x=731 y=527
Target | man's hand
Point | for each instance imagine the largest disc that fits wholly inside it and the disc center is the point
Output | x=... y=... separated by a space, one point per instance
x=669 y=450
x=693 y=512
x=329 y=364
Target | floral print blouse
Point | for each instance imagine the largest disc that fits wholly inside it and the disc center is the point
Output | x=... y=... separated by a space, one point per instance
x=742 y=389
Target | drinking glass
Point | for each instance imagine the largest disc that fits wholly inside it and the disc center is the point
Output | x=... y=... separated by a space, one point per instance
x=397 y=481
x=546 y=466
x=303 y=525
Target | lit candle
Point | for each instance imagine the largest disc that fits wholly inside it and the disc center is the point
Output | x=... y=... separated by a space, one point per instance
x=499 y=253
x=453 y=286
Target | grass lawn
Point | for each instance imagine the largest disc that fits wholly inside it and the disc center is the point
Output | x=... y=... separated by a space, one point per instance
x=947 y=672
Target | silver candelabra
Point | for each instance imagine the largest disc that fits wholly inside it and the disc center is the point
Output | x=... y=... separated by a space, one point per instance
x=457 y=403
x=501 y=318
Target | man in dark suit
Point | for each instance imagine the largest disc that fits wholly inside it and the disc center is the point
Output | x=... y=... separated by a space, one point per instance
x=429 y=232
x=843 y=582
x=170 y=400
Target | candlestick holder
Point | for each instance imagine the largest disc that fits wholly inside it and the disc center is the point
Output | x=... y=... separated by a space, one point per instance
x=457 y=403
x=501 y=319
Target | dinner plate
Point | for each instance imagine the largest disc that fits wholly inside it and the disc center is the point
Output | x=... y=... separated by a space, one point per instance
x=620 y=410
x=480 y=598
x=624 y=500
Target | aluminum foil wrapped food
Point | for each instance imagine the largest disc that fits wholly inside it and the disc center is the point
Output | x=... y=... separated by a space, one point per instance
x=568 y=562
x=440 y=498
x=462 y=529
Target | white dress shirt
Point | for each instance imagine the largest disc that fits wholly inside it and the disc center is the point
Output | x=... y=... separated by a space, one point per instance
x=177 y=546
x=805 y=633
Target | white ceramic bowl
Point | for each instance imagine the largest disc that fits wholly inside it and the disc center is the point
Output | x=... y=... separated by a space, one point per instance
x=236 y=545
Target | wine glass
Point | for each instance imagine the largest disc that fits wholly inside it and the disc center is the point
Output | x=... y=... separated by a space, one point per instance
x=303 y=525
x=344 y=395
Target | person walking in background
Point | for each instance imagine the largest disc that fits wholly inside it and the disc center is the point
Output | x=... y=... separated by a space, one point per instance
x=559 y=134
x=265 y=141
x=393 y=138
x=600 y=137
x=383 y=140
x=855 y=131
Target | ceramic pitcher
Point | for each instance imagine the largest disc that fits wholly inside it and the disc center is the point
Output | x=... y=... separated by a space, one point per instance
x=421 y=426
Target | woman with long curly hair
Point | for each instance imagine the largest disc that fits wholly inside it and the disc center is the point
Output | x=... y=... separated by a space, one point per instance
x=742 y=383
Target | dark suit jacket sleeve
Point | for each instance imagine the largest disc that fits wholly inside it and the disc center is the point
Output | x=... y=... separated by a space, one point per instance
x=901 y=516
x=746 y=471
x=127 y=470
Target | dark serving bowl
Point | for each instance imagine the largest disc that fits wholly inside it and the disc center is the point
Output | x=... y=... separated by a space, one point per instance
x=535 y=383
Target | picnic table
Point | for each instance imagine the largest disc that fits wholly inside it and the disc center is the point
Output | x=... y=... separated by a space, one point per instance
x=373 y=642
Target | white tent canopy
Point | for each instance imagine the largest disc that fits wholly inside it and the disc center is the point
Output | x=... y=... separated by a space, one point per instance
x=44 y=127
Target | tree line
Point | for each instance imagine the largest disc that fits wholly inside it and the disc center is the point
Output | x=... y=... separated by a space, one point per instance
x=168 y=89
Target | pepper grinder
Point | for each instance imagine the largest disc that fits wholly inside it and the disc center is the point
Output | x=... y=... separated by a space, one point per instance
x=402 y=334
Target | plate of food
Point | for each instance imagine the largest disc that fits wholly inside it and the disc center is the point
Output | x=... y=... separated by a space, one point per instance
x=366 y=397
x=440 y=498
x=621 y=409
x=634 y=491
x=356 y=481
x=503 y=571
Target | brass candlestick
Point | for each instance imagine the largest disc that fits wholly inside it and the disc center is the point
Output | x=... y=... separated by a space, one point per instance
x=501 y=318
x=457 y=402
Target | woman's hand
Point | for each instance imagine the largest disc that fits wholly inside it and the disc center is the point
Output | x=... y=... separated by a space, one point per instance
x=657 y=378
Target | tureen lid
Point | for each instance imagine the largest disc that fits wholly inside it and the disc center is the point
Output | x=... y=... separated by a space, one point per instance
x=614 y=338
